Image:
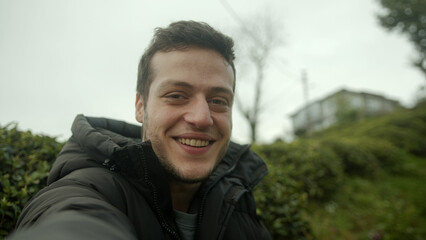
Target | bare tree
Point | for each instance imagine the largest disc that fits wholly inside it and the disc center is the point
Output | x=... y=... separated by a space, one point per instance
x=257 y=38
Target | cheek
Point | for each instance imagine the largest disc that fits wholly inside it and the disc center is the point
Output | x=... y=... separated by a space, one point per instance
x=224 y=124
x=160 y=120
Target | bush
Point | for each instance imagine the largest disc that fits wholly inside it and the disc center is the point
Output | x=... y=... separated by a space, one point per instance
x=356 y=159
x=280 y=204
x=366 y=156
x=388 y=157
x=25 y=161
x=406 y=138
x=316 y=168
x=299 y=171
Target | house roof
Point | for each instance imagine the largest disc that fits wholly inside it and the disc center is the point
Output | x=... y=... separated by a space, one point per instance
x=343 y=90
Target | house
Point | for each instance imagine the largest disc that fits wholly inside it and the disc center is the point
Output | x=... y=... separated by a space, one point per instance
x=338 y=106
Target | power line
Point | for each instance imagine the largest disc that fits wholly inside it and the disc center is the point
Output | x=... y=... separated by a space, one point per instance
x=231 y=12
x=239 y=20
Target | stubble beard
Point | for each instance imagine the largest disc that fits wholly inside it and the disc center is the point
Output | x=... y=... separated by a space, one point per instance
x=171 y=170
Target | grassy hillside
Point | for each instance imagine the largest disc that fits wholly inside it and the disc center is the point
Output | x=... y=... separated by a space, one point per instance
x=389 y=202
x=363 y=180
x=387 y=207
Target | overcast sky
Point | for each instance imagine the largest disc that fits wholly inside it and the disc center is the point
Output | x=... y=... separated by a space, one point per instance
x=59 y=58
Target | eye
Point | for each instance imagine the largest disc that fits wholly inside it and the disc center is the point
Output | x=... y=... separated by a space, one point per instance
x=219 y=102
x=175 y=98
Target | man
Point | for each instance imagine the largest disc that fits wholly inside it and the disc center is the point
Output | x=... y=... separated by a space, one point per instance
x=185 y=180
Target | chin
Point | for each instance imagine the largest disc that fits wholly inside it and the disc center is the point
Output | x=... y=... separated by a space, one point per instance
x=192 y=177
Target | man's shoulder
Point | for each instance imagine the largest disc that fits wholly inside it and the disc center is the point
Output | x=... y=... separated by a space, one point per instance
x=247 y=165
x=93 y=141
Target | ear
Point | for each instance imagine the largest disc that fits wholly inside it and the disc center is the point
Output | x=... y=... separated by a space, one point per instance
x=139 y=108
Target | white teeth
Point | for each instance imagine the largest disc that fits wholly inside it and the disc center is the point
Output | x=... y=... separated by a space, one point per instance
x=193 y=142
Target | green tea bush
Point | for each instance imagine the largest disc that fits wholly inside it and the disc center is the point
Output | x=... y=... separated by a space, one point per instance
x=25 y=161
x=280 y=204
x=298 y=171
x=366 y=156
x=388 y=157
x=407 y=138
x=402 y=222
x=316 y=168
x=356 y=158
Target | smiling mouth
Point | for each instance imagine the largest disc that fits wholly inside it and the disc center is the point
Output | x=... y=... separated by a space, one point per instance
x=193 y=142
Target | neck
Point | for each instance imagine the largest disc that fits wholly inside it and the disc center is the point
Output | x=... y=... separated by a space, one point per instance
x=182 y=194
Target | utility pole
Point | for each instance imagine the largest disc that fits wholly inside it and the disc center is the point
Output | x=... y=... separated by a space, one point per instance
x=306 y=99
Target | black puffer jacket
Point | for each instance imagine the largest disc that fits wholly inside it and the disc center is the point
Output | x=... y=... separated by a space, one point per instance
x=107 y=184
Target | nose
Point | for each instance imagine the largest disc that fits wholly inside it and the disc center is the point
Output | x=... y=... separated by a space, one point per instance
x=198 y=114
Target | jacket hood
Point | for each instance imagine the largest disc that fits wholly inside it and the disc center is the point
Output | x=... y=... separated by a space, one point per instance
x=100 y=141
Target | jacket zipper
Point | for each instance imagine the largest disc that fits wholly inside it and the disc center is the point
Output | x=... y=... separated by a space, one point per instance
x=204 y=197
x=234 y=199
x=163 y=221
x=200 y=214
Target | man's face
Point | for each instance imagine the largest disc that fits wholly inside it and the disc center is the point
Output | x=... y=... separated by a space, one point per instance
x=188 y=113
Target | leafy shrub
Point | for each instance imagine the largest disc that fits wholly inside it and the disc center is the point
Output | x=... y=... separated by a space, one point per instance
x=316 y=168
x=298 y=171
x=402 y=222
x=356 y=159
x=389 y=157
x=280 y=204
x=25 y=161
x=366 y=156
x=406 y=138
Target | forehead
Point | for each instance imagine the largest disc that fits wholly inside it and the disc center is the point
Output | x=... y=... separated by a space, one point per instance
x=198 y=66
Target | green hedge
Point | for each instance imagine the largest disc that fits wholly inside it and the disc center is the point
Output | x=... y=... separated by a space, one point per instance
x=25 y=161
x=317 y=169
x=280 y=205
x=298 y=172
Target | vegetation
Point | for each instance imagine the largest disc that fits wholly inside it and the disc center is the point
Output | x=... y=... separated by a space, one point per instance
x=409 y=18
x=25 y=161
x=363 y=180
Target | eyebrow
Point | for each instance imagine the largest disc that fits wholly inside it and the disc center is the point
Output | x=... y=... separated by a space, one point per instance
x=222 y=90
x=175 y=83
x=186 y=85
